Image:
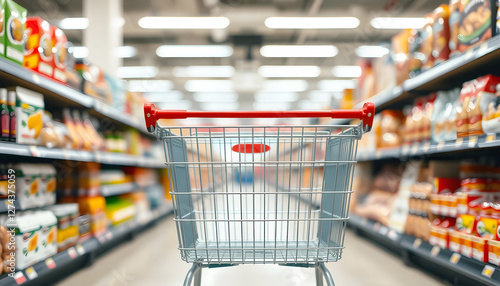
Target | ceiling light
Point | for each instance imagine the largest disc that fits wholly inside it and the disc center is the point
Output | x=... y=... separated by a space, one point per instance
x=312 y=22
x=150 y=85
x=215 y=96
x=74 y=23
x=219 y=106
x=79 y=52
x=346 y=71
x=183 y=22
x=289 y=71
x=137 y=72
x=169 y=96
x=194 y=51
x=285 y=85
x=276 y=96
x=203 y=71
x=311 y=105
x=299 y=51
x=336 y=85
x=320 y=96
x=371 y=51
x=257 y=105
x=126 y=52
x=397 y=23
x=182 y=104
x=208 y=85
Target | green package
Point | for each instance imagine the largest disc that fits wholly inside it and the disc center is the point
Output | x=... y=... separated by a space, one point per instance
x=15 y=23
x=2 y=27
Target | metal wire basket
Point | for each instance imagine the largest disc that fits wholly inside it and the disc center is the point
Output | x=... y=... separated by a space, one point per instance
x=260 y=194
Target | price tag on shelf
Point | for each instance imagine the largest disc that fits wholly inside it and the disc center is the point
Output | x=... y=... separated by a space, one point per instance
x=383 y=230
x=435 y=250
x=392 y=234
x=472 y=141
x=405 y=149
x=414 y=148
x=31 y=273
x=459 y=142
x=455 y=257
x=488 y=271
x=417 y=242
x=51 y=264
x=491 y=137
x=101 y=238
x=36 y=78
x=469 y=54
x=66 y=154
x=72 y=253
x=109 y=235
x=98 y=156
x=364 y=221
x=34 y=151
x=378 y=154
x=80 y=249
x=440 y=146
x=19 y=278
x=482 y=49
x=426 y=147
x=376 y=226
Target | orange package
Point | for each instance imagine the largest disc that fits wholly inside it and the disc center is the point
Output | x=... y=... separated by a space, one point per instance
x=427 y=43
x=454 y=24
x=441 y=37
x=59 y=41
x=38 y=52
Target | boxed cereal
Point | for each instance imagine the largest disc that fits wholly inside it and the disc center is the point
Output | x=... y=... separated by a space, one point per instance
x=38 y=52
x=15 y=23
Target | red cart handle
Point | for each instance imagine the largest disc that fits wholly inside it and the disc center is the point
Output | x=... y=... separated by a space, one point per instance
x=366 y=113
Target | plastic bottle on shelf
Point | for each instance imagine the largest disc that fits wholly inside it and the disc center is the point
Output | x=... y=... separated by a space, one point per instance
x=4 y=114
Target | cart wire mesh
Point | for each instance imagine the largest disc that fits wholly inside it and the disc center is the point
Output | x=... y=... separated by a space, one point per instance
x=260 y=194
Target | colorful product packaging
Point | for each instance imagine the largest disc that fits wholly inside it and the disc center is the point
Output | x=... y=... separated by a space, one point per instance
x=38 y=52
x=27 y=231
x=455 y=240
x=466 y=223
x=479 y=248
x=15 y=23
x=29 y=112
x=494 y=252
x=48 y=234
x=4 y=116
x=2 y=28
x=28 y=183
x=441 y=37
x=96 y=208
x=48 y=186
x=462 y=119
x=484 y=94
x=454 y=23
x=427 y=43
x=466 y=247
x=59 y=41
x=486 y=227
x=477 y=22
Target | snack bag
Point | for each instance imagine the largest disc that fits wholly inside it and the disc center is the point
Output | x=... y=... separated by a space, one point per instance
x=427 y=43
x=450 y=114
x=438 y=118
x=485 y=90
x=477 y=22
x=415 y=56
x=60 y=54
x=441 y=34
x=491 y=118
x=400 y=57
x=462 y=119
x=454 y=24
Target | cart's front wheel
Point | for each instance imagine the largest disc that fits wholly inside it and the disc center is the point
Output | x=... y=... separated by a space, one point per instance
x=321 y=271
x=194 y=272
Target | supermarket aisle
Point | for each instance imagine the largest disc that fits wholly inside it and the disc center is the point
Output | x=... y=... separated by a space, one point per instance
x=153 y=259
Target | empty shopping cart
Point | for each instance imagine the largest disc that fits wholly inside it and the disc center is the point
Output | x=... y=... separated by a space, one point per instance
x=276 y=194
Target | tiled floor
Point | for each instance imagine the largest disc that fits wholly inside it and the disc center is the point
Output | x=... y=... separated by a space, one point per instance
x=153 y=259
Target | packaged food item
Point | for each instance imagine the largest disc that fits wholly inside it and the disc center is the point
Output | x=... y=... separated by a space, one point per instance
x=415 y=56
x=4 y=116
x=454 y=23
x=491 y=118
x=462 y=118
x=477 y=22
x=95 y=138
x=466 y=248
x=15 y=21
x=450 y=113
x=28 y=183
x=27 y=232
x=424 y=133
x=119 y=210
x=29 y=113
x=50 y=136
x=67 y=225
x=494 y=252
x=76 y=139
x=73 y=79
x=88 y=179
x=48 y=233
x=60 y=54
x=455 y=240
x=11 y=105
x=486 y=227
x=86 y=139
x=48 y=184
x=2 y=28
x=400 y=57
x=84 y=223
x=441 y=34
x=94 y=83
x=483 y=96
x=391 y=123
x=96 y=208
x=427 y=43
x=439 y=118
x=4 y=181
x=38 y=53
x=479 y=248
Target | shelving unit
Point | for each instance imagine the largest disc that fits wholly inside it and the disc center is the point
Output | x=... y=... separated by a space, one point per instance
x=62 y=264
x=113 y=190
x=416 y=251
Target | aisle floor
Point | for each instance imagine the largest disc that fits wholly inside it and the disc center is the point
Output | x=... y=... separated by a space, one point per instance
x=153 y=259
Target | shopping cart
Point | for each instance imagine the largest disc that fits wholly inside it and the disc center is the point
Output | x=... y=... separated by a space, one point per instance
x=260 y=194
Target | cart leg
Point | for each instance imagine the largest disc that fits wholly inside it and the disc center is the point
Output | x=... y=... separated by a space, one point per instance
x=319 y=276
x=328 y=276
x=195 y=272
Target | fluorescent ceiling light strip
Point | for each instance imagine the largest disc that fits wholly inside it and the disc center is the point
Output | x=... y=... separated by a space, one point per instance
x=208 y=85
x=137 y=72
x=289 y=71
x=271 y=105
x=311 y=105
x=346 y=71
x=371 y=51
x=126 y=52
x=150 y=85
x=169 y=96
x=336 y=85
x=219 y=106
x=397 y=23
x=183 y=23
x=215 y=96
x=312 y=22
x=266 y=96
x=182 y=104
x=203 y=71
x=74 y=23
x=194 y=51
x=285 y=85
x=299 y=51
x=79 y=52
x=320 y=96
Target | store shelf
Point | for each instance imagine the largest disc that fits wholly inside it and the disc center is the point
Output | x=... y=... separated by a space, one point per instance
x=50 y=270
x=484 y=273
x=384 y=98
x=108 y=158
x=118 y=189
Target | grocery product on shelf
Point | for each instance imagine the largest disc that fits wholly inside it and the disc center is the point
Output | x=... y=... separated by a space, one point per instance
x=4 y=116
x=48 y=233
x=2 y=30
x=27 y=232
x=38 y=52
x=390 y=127
x=427 y=43
x=28 y=116
x=28 y=184
x=119 y=209
x=60 y=54
x=11 y=107
x=96 y=208
x=67 y=224
x=15 y=20
x=454 y=24
x=477 y=22
x=48 y=184
x=89 y=182
x=93 y=82
x=441 y=34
